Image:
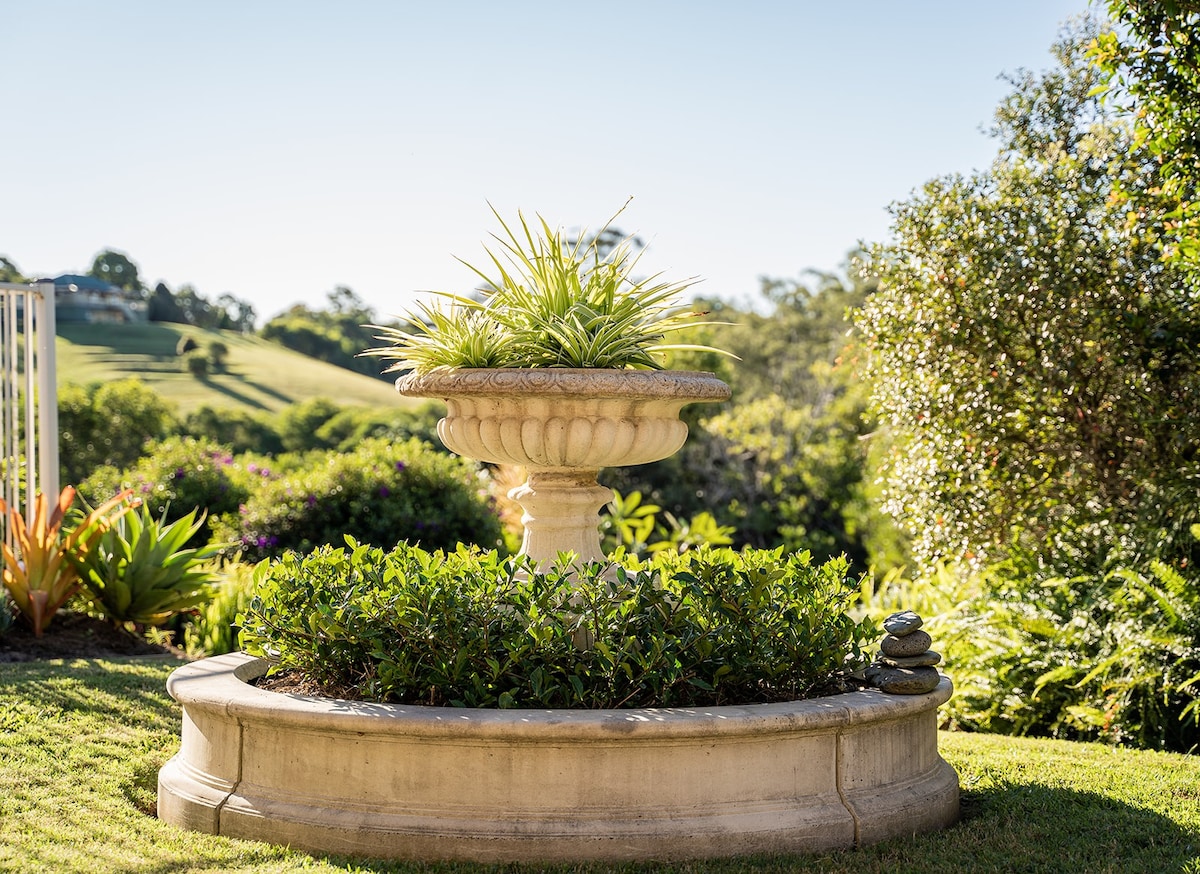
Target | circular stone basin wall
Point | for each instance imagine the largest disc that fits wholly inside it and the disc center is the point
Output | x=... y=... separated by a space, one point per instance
x=414 y=782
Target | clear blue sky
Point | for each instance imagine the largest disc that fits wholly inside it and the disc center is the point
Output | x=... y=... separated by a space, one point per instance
x=277 y=148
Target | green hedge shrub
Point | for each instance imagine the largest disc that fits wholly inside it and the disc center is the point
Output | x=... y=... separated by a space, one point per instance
x=240 y=430
x=380 y=493
x=351 y=426
x=470 y=628
x=109 y=424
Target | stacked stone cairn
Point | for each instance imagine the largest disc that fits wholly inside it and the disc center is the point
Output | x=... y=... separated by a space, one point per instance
x=905 y=663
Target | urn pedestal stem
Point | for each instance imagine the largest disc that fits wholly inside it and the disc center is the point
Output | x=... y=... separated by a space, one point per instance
x=561 y=514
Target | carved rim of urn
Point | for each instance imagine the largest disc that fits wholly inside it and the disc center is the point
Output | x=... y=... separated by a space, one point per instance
x=686 y=386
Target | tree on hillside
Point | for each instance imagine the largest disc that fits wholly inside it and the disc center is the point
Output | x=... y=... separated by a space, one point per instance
x=163 y=308
x=336 y=334
x=115 y=268
x=187 y=306
x=9 y=271
x=1034 y=357
x=238 y=314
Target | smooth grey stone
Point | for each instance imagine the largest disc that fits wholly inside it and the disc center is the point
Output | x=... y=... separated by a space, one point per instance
x=911 y=644
x=927 y=658
x=902 y=623
x=903 y=681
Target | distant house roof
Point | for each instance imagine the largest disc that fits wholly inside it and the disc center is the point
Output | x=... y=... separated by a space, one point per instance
x=83 y=283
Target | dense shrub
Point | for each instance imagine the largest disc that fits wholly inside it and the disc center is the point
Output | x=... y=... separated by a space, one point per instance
x=178 y=475
x=298 y=424
x=1035 y=357
x=380 y=493
x=470 y=628
x=240 y=430
x=108 y=424
x=349 y=427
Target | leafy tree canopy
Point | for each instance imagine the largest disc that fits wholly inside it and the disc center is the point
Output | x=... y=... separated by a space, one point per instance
x=115 y=268
x=337 y=334
x=9 y=272
x=1035 y=357
x=1153 y=69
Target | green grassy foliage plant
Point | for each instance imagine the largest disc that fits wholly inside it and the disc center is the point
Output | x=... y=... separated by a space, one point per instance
x=211 y=629
x=471 y=628
x=380 y=493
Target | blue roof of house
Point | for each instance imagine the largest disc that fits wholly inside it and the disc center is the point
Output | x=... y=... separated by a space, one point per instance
x=84 y=283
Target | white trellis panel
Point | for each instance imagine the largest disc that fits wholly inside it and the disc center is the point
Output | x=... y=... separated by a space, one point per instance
x=28 y=396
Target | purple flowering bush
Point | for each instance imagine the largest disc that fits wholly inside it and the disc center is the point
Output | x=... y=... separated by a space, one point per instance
x=176 y=476
x=381 y=493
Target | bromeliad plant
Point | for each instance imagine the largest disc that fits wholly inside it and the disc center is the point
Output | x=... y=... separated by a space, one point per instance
x=38 y=573
x=471 y=628
x=548 y=301
x=140 y=572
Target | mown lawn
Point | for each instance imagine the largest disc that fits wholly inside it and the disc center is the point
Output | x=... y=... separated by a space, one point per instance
x=81 y=742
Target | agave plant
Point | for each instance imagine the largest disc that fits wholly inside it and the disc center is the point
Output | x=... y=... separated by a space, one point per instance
x=39 y=574
x=548 y=302
x=140 y=572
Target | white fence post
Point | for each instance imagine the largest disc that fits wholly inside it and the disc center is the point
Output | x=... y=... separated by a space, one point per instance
x=28 y=397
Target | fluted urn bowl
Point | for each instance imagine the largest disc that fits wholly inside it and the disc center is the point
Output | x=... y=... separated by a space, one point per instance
x=563 y=425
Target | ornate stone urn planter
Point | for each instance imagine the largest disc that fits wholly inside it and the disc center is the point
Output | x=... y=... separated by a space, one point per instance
x=563 y=425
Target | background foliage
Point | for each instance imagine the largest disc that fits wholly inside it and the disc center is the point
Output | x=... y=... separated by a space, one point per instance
x=1030 y=351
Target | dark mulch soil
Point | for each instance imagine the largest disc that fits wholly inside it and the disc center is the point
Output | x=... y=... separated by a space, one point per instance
x=296 y=683
x=76 y=636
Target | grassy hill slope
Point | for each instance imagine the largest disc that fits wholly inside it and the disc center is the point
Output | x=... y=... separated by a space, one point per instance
x=258 y=375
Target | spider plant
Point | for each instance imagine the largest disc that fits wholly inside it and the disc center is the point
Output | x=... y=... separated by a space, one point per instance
x=548 y=301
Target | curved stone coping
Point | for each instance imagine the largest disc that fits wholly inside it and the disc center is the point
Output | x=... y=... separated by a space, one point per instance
x=686 y=386
x=222 y=684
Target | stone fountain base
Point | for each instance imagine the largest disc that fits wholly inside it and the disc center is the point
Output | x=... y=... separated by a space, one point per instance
x=431 y=783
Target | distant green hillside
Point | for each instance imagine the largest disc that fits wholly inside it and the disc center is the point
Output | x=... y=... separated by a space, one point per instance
x=258 y=375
